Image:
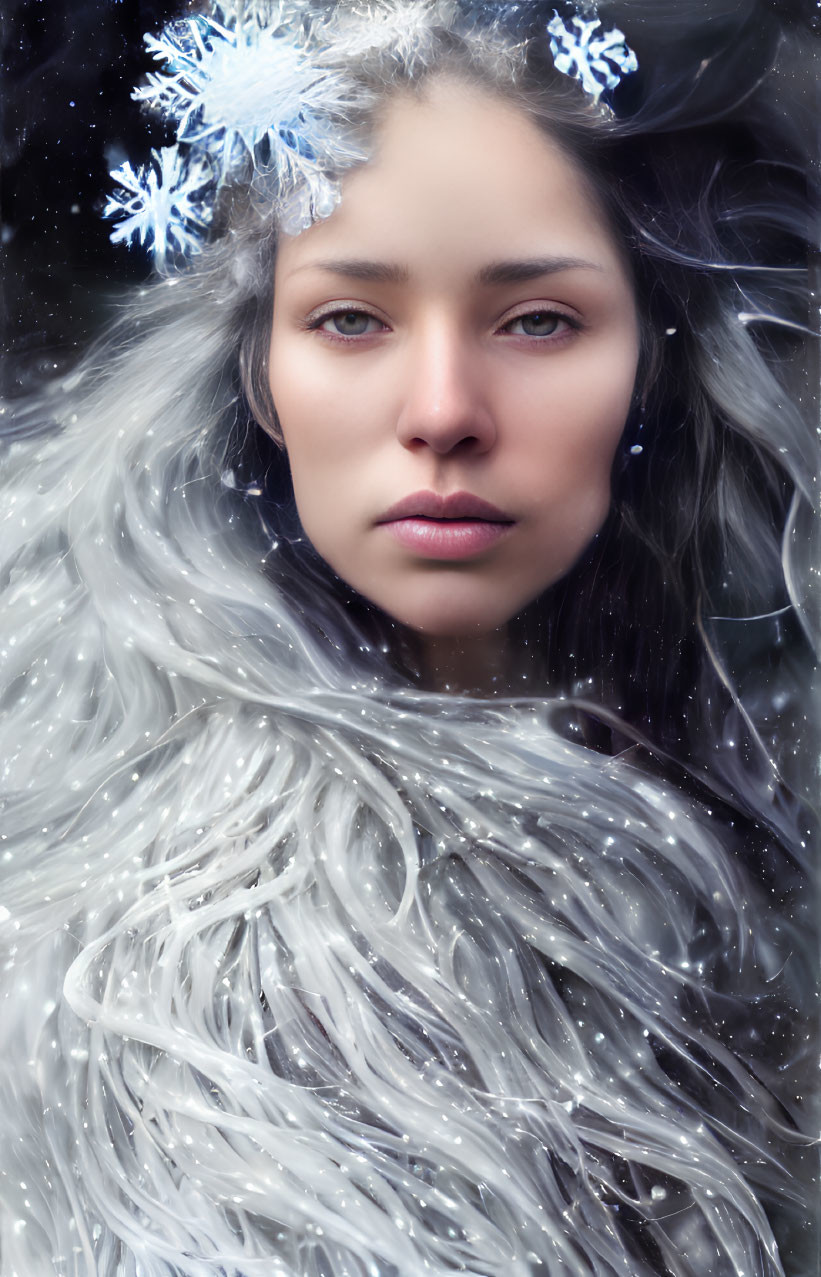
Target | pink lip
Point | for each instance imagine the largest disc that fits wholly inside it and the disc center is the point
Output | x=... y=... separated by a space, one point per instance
x=458 y=505
x=457 y=526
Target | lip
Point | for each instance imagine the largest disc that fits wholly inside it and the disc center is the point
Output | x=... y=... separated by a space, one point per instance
x=457 y=526
x=457 y=505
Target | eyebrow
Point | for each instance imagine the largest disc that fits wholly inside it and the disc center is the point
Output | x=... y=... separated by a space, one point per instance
x=504 y=272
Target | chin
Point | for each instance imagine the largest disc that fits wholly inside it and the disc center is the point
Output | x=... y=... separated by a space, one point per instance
x=452 y=618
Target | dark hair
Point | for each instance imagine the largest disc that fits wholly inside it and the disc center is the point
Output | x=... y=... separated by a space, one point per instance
x=703 y=188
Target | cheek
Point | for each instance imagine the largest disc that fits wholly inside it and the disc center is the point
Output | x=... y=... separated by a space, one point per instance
x=310 y=427
x=571 y=443
x=567 y=460
x=323 y=410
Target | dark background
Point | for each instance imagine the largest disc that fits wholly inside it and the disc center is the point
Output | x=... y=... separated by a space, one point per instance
x=67 y=118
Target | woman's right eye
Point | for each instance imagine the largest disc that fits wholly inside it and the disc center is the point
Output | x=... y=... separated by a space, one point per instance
x=346 y=323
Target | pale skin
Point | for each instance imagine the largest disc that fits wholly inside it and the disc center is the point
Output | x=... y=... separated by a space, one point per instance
x=445 y=333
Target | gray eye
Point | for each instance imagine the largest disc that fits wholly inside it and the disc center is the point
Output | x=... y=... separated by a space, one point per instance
x=350 y=323
x=542 y=323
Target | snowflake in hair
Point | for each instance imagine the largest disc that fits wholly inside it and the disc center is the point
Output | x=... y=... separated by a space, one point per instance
x=405 y=28
x=161 y=205
x=599 y=61
x=241 y=91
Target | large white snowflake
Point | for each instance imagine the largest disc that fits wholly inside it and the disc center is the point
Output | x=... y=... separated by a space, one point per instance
x=161 y=205
x=599 y=61
x=231 y=90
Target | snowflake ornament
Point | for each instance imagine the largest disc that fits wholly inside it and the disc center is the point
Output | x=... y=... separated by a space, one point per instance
x=162 y=205
x=260 y=94
x=241 y=92
x=598 y=61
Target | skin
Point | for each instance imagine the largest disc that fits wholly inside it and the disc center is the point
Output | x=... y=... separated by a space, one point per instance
x=514 y=390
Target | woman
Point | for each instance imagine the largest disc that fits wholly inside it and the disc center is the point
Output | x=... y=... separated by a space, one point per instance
x=397 y=881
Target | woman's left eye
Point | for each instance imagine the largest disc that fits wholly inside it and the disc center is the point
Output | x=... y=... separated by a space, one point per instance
x=540 y=323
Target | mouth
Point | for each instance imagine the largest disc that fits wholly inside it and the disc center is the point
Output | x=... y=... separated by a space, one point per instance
x=458 y=526
x=457 y=506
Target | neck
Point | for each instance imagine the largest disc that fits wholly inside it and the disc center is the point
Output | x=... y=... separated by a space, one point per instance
x=467 y=666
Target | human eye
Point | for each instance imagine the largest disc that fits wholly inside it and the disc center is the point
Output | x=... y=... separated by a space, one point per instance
x=542 y=323
x=345 y=323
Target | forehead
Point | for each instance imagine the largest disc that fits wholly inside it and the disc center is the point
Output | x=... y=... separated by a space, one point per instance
x=459 y=176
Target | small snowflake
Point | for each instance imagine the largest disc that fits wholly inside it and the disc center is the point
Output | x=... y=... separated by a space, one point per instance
x=161 y=205
x=599 y=61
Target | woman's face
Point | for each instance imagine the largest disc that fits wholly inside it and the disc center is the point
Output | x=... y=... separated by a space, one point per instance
x=452 y=361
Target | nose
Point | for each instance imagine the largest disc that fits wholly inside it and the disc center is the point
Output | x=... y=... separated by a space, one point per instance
x=445 y=405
